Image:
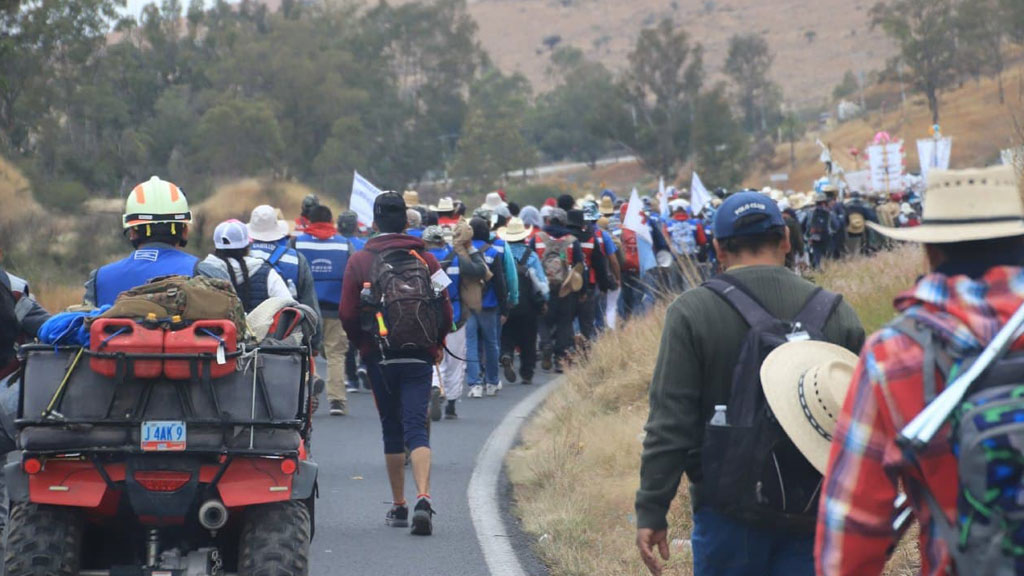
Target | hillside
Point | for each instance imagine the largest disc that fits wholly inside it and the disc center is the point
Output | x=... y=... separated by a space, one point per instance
x=514 y=33
x=972 y=115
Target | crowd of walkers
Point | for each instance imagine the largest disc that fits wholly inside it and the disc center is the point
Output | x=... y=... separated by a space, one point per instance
x=801 y=457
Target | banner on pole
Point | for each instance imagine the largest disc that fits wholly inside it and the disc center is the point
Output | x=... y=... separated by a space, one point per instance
x=887 y=164
x=934 y=153
x=363 y=195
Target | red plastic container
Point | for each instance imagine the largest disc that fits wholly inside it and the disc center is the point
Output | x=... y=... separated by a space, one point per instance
x=117 y=335
x=202 y=336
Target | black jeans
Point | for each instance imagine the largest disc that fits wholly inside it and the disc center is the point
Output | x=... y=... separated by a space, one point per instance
x=586 y=312
x=521 y=331
x=561 y=313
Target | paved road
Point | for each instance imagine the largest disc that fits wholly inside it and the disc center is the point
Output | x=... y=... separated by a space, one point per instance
x=351 y=537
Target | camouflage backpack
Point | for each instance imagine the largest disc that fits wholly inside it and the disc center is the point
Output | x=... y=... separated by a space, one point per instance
x=196 y=298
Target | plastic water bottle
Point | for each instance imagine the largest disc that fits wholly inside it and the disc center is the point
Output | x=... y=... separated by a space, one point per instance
x=719 y=418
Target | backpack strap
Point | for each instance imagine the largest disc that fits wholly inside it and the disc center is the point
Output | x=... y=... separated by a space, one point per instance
x=276 y=256
x=935 y=354
x=525 y=259
x=819 y=308
x=751 y=310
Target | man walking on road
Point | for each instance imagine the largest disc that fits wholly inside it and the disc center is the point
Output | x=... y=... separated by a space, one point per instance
x=327 y=253
x=694 y=382
x=395 y=307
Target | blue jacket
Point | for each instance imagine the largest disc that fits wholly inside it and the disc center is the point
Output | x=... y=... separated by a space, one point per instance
x=490 y=299
x=141 y=266
x=450 y=264
x=511 y=278
x=327 y=260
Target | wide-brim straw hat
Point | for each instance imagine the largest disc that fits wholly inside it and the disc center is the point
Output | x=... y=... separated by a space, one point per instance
x=805 y=384
x=444 y=205
x=493 y=201
x=515 y=231
x=606 y=207
x=966 y=205
x=573 y=281
x=411 y=197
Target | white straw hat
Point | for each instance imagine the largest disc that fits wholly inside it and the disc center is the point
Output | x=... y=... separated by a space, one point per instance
x=444 y=205
x=515 y=231
x=805 y=384
x=966 y=205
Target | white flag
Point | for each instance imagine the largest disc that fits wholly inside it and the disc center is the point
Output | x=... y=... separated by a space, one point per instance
x=634 y=220
x=699 y=195
x=934 y=154
x=662 y=198
x=363 y=195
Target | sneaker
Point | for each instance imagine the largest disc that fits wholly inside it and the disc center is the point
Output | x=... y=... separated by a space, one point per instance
x=558 y=367
x=398 y=516
x=351 y=387
x=546 y=361
x=476 y=392
x=510 y=370
x=338 y=408
x=422 y=518
x=492 y=390
x=435 y=404
x=364 y=378
x=527 y=381
x=449 y=411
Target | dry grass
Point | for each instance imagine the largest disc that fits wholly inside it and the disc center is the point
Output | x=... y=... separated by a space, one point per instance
x=15 y=195
x=576 y=472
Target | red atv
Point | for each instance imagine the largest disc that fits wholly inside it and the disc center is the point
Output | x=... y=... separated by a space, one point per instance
x=163 y=451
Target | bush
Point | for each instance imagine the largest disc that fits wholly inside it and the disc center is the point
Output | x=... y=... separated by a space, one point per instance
x=63 y=195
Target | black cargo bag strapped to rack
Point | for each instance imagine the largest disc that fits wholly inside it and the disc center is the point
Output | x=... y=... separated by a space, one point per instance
x=259 y=407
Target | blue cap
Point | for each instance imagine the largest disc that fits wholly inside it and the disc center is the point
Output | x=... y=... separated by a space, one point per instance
x=742 y=205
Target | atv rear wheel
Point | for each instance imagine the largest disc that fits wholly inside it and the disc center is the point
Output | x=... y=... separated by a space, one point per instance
x=43 y=541
x=275 y=540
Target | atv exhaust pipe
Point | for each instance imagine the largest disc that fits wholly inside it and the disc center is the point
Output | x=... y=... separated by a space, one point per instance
x=213 y=515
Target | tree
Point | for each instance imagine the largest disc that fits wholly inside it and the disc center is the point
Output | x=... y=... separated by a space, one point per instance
x=492 y=142
x=926 y=35
x=238 y=138
x=659 y=91
x=792 y=129
x=721 y=144
x=848 y=87
x=565 y=122
x=982 y=28
x=748 y=64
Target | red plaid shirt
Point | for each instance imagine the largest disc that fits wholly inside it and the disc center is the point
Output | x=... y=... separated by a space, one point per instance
x=865 y=467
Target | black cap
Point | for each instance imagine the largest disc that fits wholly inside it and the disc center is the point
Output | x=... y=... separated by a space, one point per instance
x=575 y=219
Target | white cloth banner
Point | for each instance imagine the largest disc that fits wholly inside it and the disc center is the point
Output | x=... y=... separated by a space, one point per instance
x=934 y=153
x=363 y=195
x=634 y=220
x=886 y=166
x=662 y=198
x=699 y=195
x=859 y=181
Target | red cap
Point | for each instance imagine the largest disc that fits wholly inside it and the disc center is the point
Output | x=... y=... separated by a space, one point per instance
x=502 y=194
x=551 y=202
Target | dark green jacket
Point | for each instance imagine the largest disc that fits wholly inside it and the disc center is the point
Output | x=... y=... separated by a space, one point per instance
x=699 y=350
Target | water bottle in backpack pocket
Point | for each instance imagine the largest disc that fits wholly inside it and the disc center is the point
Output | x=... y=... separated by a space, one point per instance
x=750 y=470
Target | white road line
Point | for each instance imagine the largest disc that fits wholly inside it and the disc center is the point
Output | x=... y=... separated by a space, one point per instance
x=483 y=486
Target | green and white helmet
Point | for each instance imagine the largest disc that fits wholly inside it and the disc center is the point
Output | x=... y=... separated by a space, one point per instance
x=156 y=201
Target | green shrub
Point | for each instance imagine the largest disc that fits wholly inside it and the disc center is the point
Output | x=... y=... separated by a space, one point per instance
x=64 y=195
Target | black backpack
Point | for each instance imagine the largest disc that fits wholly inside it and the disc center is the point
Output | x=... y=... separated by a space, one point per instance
x=819 y=231
x=10 y=327
x=406 y=300
x=753 y=471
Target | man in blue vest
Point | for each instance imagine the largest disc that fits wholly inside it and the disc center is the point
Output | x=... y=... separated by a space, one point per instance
x=270 y=242
x=327 y=253
x=156 y=219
